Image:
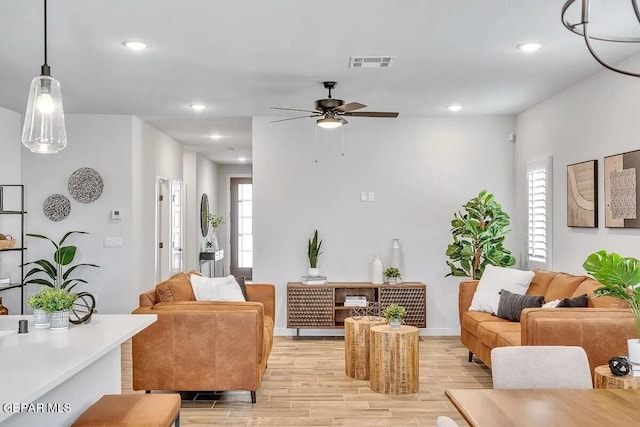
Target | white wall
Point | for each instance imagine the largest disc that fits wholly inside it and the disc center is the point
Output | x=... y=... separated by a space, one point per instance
x=10 y=130
x=191 y=212
x=206 y=175
x=104 y=144
x=422 y=170
x=595 y=118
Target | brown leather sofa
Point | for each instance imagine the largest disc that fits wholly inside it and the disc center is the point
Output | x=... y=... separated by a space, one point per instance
x=602 y=329
x=203 y=345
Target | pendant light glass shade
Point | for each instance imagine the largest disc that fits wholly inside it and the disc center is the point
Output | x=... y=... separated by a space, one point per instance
x=44 y=129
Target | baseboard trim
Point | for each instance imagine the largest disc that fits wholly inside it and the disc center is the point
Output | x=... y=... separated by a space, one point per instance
x=427 y=332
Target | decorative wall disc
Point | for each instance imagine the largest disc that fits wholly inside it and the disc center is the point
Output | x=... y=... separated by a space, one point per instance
x=56 y=207
x=85 y=185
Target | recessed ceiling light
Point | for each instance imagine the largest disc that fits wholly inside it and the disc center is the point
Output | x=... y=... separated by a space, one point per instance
x=529 y=47
x=215 y=136
x=134 y=45
x=455 y=107
x=198 y=107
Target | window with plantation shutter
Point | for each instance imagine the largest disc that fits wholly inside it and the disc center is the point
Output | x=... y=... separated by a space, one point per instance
x=539 y=186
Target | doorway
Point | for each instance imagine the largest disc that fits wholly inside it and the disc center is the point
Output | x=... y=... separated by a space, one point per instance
x=168 y=240
x=241 y=227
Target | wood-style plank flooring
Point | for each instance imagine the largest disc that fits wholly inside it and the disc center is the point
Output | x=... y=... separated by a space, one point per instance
x=305 y=385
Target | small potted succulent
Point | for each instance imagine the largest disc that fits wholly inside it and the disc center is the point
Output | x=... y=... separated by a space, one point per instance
x=394 y=315
x=58 y=302
x=313 y=252
x=40 y=316
x=392 y=275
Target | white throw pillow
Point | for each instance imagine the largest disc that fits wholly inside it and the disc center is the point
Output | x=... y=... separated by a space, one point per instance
x=493 y=280
x=216 y=288
x=551 y=304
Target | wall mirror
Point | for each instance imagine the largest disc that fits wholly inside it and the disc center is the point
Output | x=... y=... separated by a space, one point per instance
x=204 y=213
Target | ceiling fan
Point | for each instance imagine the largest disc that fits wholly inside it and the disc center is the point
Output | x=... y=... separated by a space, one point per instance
x=332 y=111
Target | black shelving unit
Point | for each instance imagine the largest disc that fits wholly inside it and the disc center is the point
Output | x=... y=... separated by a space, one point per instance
x=4 y=189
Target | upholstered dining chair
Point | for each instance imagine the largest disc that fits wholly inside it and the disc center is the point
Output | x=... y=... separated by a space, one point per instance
x=535 y=367
x=443 y=421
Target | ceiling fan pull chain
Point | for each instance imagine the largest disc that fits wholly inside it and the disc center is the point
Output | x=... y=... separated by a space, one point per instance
x=342 y=137
x=316 y=154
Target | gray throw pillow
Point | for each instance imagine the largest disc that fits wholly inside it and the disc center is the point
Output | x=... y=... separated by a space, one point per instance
x=243 y=287
x=511 y=305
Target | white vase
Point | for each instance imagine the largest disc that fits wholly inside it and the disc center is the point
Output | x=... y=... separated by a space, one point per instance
x=313 y=272
x=59 y=321
x=40 y=319
x=377 y=277
x=395 y=257
x=634 y=350
x=395 y=323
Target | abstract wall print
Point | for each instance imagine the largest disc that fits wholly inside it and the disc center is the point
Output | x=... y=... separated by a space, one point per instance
x=582 y=194
x=621 y=190
x=56 y=207
x=85 y=185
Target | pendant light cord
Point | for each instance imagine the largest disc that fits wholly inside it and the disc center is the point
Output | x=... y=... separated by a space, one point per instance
x=45 y=69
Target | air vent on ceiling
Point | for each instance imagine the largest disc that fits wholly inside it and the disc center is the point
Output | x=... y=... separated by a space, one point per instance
x=370 y=61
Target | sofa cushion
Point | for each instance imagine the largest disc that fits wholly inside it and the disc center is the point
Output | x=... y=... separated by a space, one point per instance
x=216 y=289
x=579 y=301
x=511 y=305
x=471 y=320
x=540 y=282
x=176 y=288
x=494 y=279
x=506 y=339
x=563 y=286
x=243 y=287
x=590 y=285
x=488 y=332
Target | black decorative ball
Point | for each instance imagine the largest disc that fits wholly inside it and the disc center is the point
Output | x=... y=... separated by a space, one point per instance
x=619 y=366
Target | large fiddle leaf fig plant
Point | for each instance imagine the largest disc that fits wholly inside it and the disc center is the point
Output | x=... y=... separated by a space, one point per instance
x=620 y=278
x=57 y=274
x=478 y=236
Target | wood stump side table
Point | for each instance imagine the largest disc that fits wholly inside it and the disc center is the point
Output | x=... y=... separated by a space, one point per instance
x=394 y=359
x=603 y=378
x=356 y=346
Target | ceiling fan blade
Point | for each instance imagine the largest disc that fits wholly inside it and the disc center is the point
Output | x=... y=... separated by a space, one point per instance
x=344 y=121
x=350 y=107
x=294 y=118
x=372 y=114
x=293 y=109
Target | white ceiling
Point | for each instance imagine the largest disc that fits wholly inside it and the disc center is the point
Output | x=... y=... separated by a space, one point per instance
x=241 y=57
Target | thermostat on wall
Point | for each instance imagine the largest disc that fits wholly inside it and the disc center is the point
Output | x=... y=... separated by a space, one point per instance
x=116 y=215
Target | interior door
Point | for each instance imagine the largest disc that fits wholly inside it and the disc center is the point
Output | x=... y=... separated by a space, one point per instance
x=163 y=230
x=176 y=227
x=241 y=227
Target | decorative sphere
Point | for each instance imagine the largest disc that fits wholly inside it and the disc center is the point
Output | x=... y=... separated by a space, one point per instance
x=619 y=366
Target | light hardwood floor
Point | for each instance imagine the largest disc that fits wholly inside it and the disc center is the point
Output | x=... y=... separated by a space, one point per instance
x=305 y=385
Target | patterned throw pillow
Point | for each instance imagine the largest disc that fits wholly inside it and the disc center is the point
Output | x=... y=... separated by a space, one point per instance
x=511 y=305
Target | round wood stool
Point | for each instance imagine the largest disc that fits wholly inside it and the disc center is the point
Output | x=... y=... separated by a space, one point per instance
x=394 y=359
x=356 y=346
x=603 y=378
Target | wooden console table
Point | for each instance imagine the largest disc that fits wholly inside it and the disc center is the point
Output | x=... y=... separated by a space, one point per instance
x=322 y=306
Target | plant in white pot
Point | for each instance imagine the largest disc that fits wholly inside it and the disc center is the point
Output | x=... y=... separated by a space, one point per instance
x=394 y=314
x=58 y=302
x=392 y=275
x=620 y=278
x=40 y=317
x=313 y=252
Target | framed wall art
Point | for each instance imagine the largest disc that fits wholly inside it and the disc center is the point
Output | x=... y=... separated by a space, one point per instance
x=621 y=190
x=582 y=194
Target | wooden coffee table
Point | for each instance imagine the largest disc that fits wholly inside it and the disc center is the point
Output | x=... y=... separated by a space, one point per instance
x=356 y=346
x=603 y=378
x=394 y=359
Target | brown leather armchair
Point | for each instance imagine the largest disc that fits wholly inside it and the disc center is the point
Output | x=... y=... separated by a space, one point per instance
x=204 y=345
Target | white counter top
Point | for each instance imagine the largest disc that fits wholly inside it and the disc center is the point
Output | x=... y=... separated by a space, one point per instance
x=32 y=364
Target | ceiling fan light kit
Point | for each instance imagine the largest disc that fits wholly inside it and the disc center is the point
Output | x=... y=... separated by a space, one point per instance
x=331 y=111
x=581 y=28
x=44 y=128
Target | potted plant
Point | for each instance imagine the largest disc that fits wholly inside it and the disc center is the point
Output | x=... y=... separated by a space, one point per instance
x=394 y=314
x=40 y=316
x=620 y=278
x=57 y=272
x=392 y=275
x=58 y=302
x=478 y=235
x=313 y=252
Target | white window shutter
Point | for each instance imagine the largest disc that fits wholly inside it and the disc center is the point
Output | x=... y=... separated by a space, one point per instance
x=539 y=203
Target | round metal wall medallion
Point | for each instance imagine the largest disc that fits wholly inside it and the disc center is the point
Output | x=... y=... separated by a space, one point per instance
x=85 y=185
x=56 y=207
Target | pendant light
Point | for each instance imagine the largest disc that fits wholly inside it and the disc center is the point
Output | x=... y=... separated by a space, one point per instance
x=44 y=130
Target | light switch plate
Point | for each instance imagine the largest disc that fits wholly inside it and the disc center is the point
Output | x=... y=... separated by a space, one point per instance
x=372 y=196
x=113 y=242
x=363 y=196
